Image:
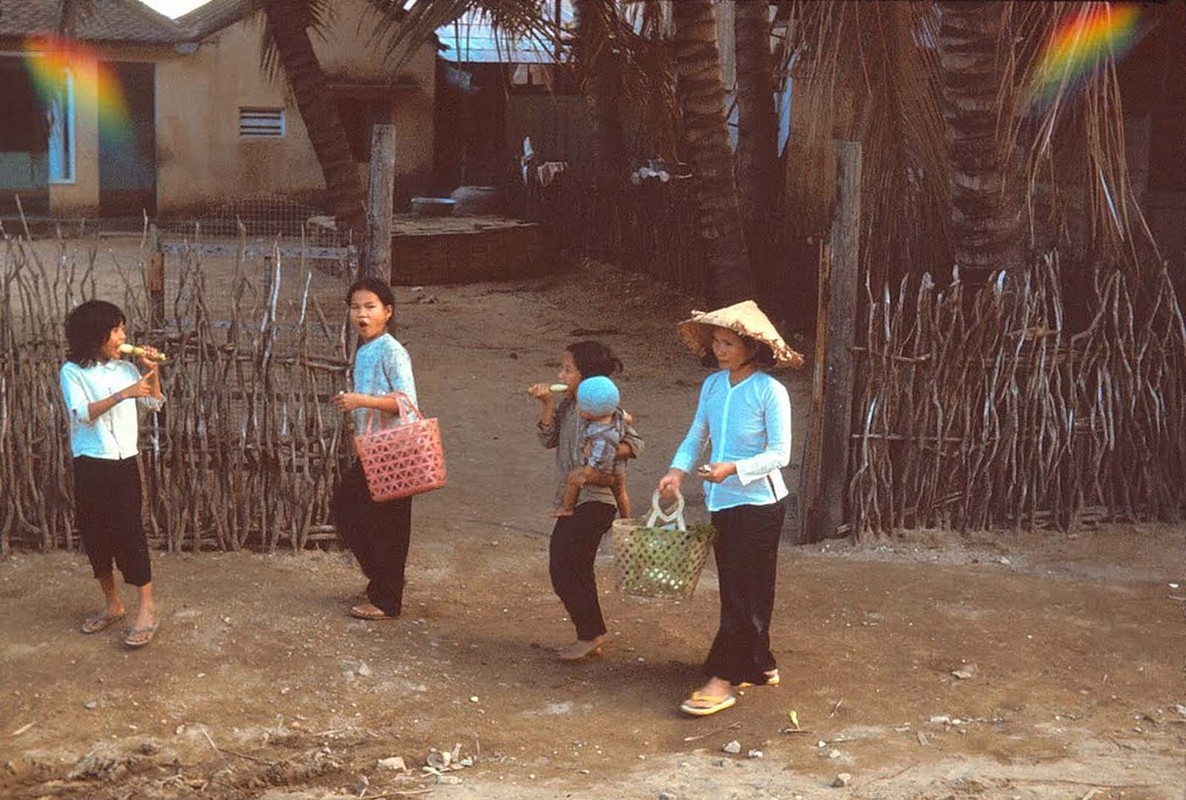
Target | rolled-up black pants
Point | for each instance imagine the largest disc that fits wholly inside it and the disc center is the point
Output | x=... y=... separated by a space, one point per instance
x=571 y=553
x=107 y=512
x=378 y=534
x=746 y=550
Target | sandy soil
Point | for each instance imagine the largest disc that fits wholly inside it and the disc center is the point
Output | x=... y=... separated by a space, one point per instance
x=936 y=666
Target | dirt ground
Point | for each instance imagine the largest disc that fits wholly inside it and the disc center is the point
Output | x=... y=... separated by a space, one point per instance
x=932 y=666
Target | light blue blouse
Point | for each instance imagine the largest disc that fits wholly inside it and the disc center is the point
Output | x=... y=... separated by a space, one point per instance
x=381 y=366
x=748 y=424
x=112 y=435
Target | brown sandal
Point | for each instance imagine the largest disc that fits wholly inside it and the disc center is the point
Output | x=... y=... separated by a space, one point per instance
x=370 y=612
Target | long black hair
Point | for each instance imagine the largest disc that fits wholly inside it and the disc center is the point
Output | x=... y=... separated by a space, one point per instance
x=592 y=357
x=88 y=327
x=381 y=289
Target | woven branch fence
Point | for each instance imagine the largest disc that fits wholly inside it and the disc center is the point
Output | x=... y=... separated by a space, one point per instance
x=247 y=448
x=989 y=414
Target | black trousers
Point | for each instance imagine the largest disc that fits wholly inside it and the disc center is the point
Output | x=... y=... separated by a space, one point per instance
x=107 y=511
x=571 y=553
x=746 y=550
x=378 y=534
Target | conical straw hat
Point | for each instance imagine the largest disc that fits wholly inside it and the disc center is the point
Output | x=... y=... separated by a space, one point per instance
x=744 y=319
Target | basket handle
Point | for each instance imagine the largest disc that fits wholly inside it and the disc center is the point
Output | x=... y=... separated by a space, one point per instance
x=672 y=517
x=408 y=412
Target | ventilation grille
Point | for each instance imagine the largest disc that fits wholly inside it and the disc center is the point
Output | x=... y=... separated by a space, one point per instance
x=261 y=123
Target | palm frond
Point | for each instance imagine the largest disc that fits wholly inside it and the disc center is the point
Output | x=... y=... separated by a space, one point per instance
x=869 y=72
x=402 y=31
x=1073 y=138
x=631 y=40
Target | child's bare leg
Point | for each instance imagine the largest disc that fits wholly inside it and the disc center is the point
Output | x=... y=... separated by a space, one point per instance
x=622 y=497
x=572 y=490
x=617 y=482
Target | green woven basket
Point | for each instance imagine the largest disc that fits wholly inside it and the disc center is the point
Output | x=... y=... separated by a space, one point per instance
x=659 y=556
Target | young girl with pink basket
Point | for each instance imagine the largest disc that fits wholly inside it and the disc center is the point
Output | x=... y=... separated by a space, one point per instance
x=378 y=533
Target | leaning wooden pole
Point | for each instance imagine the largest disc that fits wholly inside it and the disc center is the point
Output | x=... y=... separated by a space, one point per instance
x=154 y=280
x=837 y=372
x=376 y=257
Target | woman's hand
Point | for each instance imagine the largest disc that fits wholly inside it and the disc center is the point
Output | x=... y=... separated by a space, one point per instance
x=669 y=484
x=541 y=392
x=717 y=471
x=348 y=401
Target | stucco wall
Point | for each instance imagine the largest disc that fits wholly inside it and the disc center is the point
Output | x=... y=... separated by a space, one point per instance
x=202 y=161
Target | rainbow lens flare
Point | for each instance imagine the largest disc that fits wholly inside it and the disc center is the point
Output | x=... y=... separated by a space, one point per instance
x=97 y=90
x=1082 y=42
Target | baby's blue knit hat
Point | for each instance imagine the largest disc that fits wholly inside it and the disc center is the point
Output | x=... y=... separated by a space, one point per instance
x=597 y=396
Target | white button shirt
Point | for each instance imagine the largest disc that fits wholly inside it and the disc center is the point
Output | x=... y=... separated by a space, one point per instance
x=113 y=435
x=748 y=424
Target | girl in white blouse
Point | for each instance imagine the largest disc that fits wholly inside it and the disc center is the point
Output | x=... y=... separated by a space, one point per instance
x=104 y=433
x=743 y=420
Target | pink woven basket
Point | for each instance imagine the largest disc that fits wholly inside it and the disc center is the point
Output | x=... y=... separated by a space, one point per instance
x=405 y=460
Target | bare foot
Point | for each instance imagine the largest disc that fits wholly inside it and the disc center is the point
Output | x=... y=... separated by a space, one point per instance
x=580 y=649
x=563 y=512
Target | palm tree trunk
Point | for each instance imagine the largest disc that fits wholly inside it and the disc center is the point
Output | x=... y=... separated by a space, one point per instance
x=757 y=135
x=986 y=200
x=597 y=56
x=320 y=115
x=706 y=146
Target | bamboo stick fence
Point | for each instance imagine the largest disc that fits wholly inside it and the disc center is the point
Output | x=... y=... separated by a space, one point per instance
x=990 y=414
x=246 y=450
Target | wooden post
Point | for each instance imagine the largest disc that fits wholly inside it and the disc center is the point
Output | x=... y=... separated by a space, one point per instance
x=154 y=279
x=376 y=255
x=837 y=369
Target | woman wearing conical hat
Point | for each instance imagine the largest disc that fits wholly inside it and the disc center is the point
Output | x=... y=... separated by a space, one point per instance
x=741 y=438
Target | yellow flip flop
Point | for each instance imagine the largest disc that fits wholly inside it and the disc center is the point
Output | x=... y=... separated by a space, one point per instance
x=703 y=705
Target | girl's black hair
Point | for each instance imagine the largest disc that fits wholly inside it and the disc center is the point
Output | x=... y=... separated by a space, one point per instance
x=88 y=327
x=380 y=288
x=592 y=358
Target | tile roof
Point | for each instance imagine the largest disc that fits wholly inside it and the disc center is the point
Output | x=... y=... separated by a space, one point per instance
x=101 y=21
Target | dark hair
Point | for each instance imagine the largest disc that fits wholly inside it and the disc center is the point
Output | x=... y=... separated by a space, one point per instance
x=592 y=358
x=764 y=357
x=88 y=327
x=378 y=286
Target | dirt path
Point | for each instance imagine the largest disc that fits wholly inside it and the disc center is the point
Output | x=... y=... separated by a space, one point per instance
x=1068 y=649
